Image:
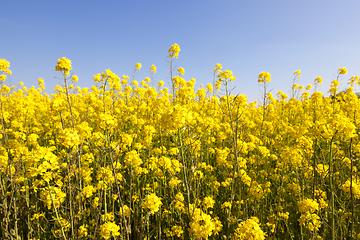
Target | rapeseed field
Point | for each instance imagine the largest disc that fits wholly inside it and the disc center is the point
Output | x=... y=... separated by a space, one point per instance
x=137 y=160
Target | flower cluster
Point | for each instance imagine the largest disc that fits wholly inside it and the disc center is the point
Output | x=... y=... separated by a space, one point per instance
x=63 y=65
x=4 y=67
x=174 y=50
x=249 y=230
x=264 y=77
x=201 y=225
x=152 y=202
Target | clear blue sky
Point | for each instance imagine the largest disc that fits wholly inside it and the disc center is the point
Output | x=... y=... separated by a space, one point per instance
x=248 y=37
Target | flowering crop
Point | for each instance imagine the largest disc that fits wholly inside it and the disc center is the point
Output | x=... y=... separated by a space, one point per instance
x=124 y=160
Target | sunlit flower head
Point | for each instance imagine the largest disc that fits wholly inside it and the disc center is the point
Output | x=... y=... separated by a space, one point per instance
x=134 y=83
x=297 y=73
x=174 y=50
x=249 y=229
x=161 y=83
x=153 y=68
x=152 y=202
x=63 y=65
x=75 y=78
x=264 y=77
x=334 y=86
x=217 y=68
x=97 y=77
x=227 y=74
x=335 y=83
x=318 y=80
x=4 y=66
x=109 y=229
x=342 y=70
x=138 y=66
x=295 y=86
x=308 y=205
x=354 y=79
x=181 y=70
x=282 y=95
x=305 y=95
x=209 y=87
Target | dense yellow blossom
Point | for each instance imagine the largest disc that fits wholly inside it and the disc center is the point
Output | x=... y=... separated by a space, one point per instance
x=129 y=159
x=226 y=75
x=174 y=50
x=318 y=80
x=264 y=77
x=4 y=66
x=153 y=68
x=201 y=225
x=138 y=66
x=83 y=231
x=297 y=73
x=109 y=229
x=152 y=202
x=132 y=159
x=181 y=70
x=75 y=78
x=308 y=205
x=63 y=65
x=310 y=221
x=249 y=230
x=208 y=202
x=217 y=68
x=342 y=71
x=354 y=186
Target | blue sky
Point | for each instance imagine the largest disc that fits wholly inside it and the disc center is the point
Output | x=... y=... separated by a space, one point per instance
x=248 y=37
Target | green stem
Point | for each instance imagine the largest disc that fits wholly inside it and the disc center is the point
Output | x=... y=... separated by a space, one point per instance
x=332 y=193
x=70 y=195
x=56 y=212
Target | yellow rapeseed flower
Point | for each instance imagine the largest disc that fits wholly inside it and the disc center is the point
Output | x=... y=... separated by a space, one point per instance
x=297 y=73
x=4 y=66
x=152 y=203
x=161 y=83
x=264 y=77
x=208 y=202
x=174 y=50
x=249 y=230
x=226 y=75
x=308 y=205
x=181 y=70
x=109 y=229
x=318 y=80
x=201 y=225
x=138 y=66
x=153 y=68
x=63 y=65
x=217 y=68
x=75 y=78
x=342 y=70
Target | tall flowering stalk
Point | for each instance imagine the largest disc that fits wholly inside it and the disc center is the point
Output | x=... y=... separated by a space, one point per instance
x=264 y=78
x=173 y=54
